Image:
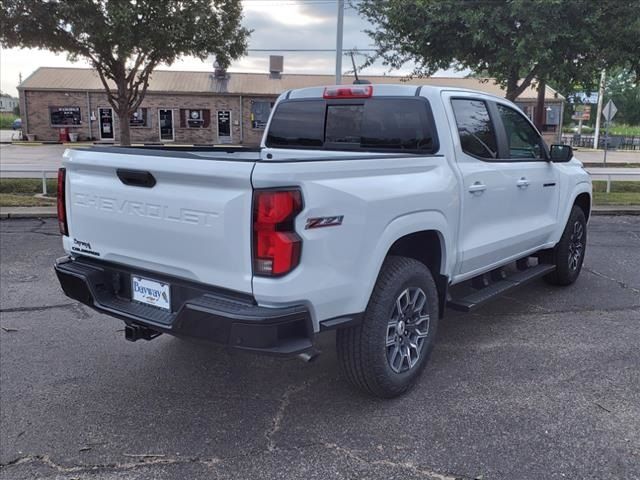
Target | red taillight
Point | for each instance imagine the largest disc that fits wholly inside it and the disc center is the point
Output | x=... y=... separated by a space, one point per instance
x=358 y=91
x=62 y=209
x=276 y=246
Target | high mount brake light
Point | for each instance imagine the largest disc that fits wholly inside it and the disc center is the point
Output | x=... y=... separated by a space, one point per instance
x=62 y=204
x=358 y=91
x=276 y=246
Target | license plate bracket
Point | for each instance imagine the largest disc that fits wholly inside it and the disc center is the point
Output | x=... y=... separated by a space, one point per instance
x=151 y=292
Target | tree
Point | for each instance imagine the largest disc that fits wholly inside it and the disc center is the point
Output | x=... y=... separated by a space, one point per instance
x=124 y=40
x=623 y=88
x=515 y=41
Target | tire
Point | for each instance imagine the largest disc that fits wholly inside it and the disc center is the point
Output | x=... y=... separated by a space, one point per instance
x=568 y=254
x=376 y=356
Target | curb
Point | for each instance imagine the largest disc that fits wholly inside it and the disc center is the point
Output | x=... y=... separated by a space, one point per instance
x=28 y=212
x=615 y=212
x=611 y=165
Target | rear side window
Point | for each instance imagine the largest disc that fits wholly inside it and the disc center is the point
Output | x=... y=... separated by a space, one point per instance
x=477 y=136
x=385 y=124
x=297 y=124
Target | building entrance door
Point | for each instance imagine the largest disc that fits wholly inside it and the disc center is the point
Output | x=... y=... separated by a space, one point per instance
x=224 y=126
x=166 y=125
x=106 y=123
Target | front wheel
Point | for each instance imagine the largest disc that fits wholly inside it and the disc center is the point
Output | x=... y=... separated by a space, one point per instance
x=386 y=353
x=568 y=254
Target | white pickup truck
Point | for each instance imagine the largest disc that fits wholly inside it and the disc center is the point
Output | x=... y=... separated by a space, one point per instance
x=364 y=205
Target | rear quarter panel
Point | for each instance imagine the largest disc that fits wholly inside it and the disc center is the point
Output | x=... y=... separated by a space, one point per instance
x=381 y=200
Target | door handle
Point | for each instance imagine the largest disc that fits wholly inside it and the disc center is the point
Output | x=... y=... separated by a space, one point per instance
x=522 y=183
x=477 y=187
x=136 y=178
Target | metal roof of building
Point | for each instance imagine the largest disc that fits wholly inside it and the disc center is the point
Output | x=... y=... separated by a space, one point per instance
x=170 y=81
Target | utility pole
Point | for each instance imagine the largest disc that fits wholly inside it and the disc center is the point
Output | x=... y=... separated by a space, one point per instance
x=596 y=135
x=339 y=32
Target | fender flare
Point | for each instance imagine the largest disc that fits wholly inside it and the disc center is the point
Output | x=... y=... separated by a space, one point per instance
x=401 y=226
x=579 y=188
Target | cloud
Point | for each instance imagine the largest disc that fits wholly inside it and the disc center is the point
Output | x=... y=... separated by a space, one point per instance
x=282 y=13
x=277 y=24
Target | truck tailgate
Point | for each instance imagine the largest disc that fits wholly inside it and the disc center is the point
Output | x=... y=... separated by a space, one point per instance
x=193 y=223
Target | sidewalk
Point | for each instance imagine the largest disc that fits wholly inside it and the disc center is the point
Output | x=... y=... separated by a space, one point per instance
x=50 y=212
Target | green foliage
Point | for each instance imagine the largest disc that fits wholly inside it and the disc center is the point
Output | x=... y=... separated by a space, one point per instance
x=26 y=185
x=624 y=129
x=514 y=41
x=623 y=88
x=11 y=200
x=126 y=39
x=574 y=129
x=6 y=121
x=622 y=193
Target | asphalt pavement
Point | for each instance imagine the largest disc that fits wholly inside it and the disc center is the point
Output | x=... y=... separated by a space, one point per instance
x=542 y=384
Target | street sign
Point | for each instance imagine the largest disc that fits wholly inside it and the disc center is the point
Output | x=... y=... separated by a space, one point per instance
x=609 y=111
x=582 y=112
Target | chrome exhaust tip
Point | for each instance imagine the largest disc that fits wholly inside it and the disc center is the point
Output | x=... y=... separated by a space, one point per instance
x=309 y=356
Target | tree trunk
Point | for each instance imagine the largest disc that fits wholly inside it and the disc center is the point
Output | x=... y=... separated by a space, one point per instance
x=123 y=104
x=125 y=133
x=512 y=87
x=541 y=113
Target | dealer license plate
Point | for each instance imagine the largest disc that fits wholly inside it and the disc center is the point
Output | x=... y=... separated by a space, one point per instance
x=151 y=292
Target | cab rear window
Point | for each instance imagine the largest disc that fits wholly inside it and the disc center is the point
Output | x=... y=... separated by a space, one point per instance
x=384 y=124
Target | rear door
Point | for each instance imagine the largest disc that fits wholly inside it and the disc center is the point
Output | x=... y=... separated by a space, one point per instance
x=487 y=234
x=186 y=216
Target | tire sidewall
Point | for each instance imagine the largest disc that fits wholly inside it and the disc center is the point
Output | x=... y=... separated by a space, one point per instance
x=377 y=318
x=565 y=275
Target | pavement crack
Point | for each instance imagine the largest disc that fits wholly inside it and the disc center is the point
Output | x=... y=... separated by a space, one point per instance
x=143 y=462
x=36 y=309
x=408 y=466
x=619 y=282
x=276 y=422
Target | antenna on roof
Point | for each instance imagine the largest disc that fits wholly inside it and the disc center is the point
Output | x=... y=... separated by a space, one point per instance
x=357 y=81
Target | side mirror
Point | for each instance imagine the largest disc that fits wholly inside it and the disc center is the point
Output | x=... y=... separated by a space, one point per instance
x=561 y=153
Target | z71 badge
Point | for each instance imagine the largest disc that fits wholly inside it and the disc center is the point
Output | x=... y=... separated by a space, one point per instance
x=319 y=222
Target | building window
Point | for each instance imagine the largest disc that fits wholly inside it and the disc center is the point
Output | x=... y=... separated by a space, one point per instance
x=64 y=116
x=260 y=112
x=195 y=118
x=139 y=118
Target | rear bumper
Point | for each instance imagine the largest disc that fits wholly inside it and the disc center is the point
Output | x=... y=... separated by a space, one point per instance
x=197 y=311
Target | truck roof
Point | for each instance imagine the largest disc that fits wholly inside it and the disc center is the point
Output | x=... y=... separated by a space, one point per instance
x=381 y=90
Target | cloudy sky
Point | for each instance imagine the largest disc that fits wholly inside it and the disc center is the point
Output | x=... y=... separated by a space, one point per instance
x=276 y=24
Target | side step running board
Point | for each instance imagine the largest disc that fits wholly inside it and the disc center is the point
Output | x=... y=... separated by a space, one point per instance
x=480 y=297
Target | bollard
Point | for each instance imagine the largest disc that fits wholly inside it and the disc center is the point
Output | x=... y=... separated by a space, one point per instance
x=608 y=183
x=44 y=183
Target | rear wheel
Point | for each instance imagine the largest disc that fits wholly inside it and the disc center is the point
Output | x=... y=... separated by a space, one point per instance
x=386 y=353
x=568 y=254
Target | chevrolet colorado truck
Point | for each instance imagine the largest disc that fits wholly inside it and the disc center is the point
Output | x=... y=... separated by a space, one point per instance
x=361 y=210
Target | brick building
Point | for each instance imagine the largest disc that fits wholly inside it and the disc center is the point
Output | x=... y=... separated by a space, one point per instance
x=198 y=107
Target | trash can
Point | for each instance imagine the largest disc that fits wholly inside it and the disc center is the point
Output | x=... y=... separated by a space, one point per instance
x=63 y=135
x=73 y=137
